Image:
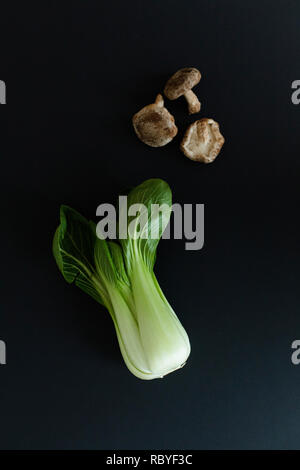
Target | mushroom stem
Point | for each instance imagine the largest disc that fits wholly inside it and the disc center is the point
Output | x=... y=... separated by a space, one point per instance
x=193 y=102
x=159 y=101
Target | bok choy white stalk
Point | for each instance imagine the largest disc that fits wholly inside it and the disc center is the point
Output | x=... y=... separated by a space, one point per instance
x=119 y=275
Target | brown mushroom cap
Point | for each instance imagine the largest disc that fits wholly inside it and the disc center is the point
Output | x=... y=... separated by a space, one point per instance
x=154 y=125
x=181 y=82
x=202 y=141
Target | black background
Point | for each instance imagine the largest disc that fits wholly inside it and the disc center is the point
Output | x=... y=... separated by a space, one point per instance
x=75 y=73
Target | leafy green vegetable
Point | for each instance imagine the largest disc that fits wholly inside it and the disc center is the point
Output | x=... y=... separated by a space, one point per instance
x=120 y=276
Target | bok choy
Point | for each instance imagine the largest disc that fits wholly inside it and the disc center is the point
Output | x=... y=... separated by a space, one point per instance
x=119 y=275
